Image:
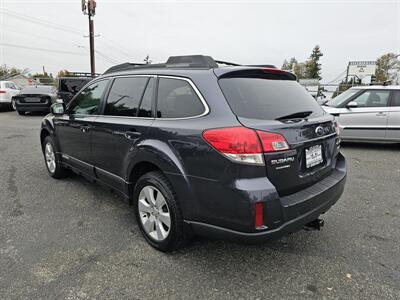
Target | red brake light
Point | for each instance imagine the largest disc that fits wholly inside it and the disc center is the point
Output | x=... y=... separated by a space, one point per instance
x=237 y=143
x=233 y=140
x=2 y=92
x=272 y=142
x=243 y=144
x=259 y=214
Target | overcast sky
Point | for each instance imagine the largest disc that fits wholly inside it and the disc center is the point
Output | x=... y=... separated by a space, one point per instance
x=248 y=32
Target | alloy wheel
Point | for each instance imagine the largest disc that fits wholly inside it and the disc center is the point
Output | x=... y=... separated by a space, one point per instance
x=154 y=213
x=50 y=157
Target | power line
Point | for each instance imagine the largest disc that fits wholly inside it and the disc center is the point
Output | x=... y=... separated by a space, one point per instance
x=42 y=22
x=30 y=34
x=41 y=49
x=61 y=27
x=340 y=76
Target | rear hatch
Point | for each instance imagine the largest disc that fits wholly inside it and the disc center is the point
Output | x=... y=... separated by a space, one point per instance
x=271 y=100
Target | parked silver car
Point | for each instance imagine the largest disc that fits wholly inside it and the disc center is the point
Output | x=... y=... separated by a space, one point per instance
x=368 y=113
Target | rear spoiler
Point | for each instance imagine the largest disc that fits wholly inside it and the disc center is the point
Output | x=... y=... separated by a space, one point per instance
x=257 y=72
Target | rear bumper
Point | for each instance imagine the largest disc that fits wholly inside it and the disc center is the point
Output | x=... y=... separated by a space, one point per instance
x=34 y=107
x=297 y=210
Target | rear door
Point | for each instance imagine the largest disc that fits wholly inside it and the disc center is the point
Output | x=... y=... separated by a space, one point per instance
x=285 y=107
x=369 y=119
x=393 y=126
x=125 y=118
x=74 y=129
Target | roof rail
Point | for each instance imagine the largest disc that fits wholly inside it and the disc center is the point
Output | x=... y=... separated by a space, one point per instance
x=182 y=62
x=123 y=67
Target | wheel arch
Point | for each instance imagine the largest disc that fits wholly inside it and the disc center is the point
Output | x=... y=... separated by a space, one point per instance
x=155 y=159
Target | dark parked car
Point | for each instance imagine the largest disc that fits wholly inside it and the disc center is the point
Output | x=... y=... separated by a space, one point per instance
x=69 y=86
x=241 y=153
x=36 y=98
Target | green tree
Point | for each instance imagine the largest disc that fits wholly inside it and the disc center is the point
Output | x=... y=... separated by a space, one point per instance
x=313 y=67
x=388 y=68
x=63 y=73
x=6 y=71
x=289 y=65
x=344 y=86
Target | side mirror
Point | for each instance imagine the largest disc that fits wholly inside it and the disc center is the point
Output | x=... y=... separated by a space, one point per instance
x=351 y=104
x=57 y=109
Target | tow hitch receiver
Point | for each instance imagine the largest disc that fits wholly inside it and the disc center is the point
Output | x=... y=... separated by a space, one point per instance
x=314 y=225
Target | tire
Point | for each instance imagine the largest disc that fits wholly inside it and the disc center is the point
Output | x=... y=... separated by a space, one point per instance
x=157 y=183
x=21 y=113
x=13 y=105
x=52 y=160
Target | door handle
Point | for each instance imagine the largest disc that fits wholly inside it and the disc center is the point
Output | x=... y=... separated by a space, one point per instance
x=381 y=114
x=132 y=135
x=85 y=129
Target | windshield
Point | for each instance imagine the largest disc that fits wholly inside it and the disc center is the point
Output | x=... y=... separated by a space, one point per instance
x=265 y=99
x=342 y=98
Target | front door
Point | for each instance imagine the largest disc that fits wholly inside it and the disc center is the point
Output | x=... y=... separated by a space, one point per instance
x=368 y=120
x=121 y=127
x=74 y=129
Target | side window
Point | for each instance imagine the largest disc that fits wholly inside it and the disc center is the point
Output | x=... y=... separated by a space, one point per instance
x=145 y=106
x=88 y=101
x=373 y=98
x=177 y=99
x=125 y=95
x=396 y=98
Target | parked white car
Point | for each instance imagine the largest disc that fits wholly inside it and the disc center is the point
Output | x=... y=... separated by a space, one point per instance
x=8 y=89
x=368 y=113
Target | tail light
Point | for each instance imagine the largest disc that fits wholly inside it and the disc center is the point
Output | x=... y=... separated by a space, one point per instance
x=2 y=92
x=245 y=145
x=272 y=142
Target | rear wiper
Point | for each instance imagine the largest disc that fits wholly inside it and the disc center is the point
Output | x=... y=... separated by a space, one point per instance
x=297 y=115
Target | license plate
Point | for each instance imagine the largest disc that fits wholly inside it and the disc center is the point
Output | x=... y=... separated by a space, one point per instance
x=32 y=99
x=314 y=156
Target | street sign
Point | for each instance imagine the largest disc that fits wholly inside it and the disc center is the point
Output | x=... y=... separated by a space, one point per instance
x=361 y=69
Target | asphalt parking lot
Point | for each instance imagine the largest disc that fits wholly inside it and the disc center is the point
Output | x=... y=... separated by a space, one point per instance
x=72 y=239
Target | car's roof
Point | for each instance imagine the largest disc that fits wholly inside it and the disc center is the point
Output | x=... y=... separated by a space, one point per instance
x=376 y=87
x=190 y=72
x=188 y=66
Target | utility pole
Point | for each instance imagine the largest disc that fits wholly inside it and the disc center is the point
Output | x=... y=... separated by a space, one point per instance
x=89 y=8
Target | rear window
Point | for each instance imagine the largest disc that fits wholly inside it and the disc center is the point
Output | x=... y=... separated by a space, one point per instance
x=264 y=99
x=38 y=89
x=177 y=99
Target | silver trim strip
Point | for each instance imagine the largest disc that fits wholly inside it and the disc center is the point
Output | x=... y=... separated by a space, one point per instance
x=194 y=87
x=67 y=157
x=316 y=139
x=203 y=101
x=113 y=175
